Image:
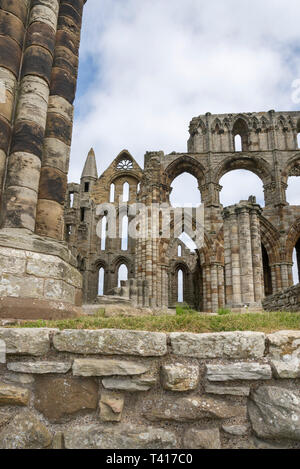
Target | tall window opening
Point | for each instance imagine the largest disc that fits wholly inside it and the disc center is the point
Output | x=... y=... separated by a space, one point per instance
x=240 y=129
x=125 y=192
x=103 y=233
x=292 y=192
x=180 y=286
x=86 y=187
x=112 y=193
x=185 y=191
x=238 y=185
x=267 y=272
x=296 y=261
x=101 y=282
x=71 y=199
x=238 y=143
x=179 y=252
x=124 y=238
x=122 y=274
x=82 y=214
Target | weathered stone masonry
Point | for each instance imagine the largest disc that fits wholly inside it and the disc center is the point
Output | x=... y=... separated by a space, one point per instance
x=39 y=43
x=287 y=300
x=112 y=389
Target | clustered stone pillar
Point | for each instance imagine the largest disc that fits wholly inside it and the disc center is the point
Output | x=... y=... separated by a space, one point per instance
x=39 y=43
x=24 y=161
x=57 y=143
x=151 y=268
x=243 y=256
x=13 y=22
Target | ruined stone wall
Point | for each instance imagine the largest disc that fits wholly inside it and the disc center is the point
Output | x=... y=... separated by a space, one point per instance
x=287 y=300
x=229 y=269
x=112 y=389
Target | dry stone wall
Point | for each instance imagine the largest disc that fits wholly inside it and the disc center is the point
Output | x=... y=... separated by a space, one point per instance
x=115 y=389
x=287 y=300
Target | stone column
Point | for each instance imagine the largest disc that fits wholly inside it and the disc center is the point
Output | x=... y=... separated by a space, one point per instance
x=24 y=162
x=214 y=288
x=55 y=164
x=221 y=286
x=13 y=23
x=38 y=275
x=258 y=274
x=246 y=255
x=235 y=261
x=243 y=260
x=228 y=263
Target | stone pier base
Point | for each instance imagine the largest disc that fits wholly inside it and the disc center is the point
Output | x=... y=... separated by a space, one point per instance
x=38 y=277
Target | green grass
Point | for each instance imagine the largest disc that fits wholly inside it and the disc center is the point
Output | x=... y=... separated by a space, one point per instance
x=183 y=321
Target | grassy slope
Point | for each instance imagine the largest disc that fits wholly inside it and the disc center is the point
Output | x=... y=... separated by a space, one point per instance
x=185 y=321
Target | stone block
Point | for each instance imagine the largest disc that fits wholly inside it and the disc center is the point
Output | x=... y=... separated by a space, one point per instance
x=62 y=398
x=284 y=344
x=238 y=371
x=235 y=430
x=25 y=341
x=202 y=439
x=42 y=367
x=13 y=395
x=227 y=390
x=111 y=406
x=111 y=342
x=275 y=413
x=124 y=436
x=130 y=384
x=219 y=345
x=107 y=367
x=25 y=431
x=189 y=409
x=179 y=377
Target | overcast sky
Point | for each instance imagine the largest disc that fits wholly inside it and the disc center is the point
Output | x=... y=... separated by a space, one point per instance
x=148 y=66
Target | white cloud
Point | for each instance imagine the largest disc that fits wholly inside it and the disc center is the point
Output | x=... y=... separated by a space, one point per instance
x=161 y=62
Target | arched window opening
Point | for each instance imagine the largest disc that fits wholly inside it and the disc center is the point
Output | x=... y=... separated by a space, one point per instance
x=86 y=187
x=82 y=214
x=71 y=199
x=238 y=185
x=185 y=191
x=124 y=238
x=298 y=140
x=125 y=192
x=296 y=263
x=180 y=286
x=267 y=272
x=122 y=274
x=292 y=192
x=179 y=252
x=112 y=193
x=240 y=129
x=103 y=233
x=101 y=282
x=138 y=188
x=238 y=143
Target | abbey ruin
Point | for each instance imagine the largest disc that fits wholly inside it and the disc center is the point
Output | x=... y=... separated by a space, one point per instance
x=51 y=249
x=247 y=250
